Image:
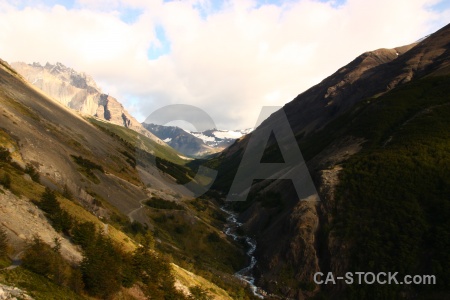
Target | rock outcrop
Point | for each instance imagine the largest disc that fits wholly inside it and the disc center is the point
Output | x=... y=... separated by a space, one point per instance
x=10 y=293
x=79 y=92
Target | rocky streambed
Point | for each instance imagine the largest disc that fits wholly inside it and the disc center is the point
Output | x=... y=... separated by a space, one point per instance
x=246 y=274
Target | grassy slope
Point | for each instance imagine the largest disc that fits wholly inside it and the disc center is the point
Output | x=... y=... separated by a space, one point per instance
x=32 y=190
x=189 y=279
x=194 y=237
x=38 y=286
x=140 y=141
x=185 y=233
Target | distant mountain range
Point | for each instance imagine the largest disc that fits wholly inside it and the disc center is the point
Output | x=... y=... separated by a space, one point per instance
x=220 y=138
x=196 y=144
x=79 y=91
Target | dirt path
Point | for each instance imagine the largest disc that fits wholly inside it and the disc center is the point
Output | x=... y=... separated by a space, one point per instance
x=131 y=213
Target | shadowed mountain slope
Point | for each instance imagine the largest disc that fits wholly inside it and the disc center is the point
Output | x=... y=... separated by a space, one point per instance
x=364 y=132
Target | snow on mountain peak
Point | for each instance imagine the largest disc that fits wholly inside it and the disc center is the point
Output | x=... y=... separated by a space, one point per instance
x=216 y=137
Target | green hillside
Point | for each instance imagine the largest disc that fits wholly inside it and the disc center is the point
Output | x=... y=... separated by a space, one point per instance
x=394 y=196
x=139 y=141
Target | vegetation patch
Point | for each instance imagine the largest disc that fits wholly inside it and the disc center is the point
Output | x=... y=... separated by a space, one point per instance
x=37 y=286
x=105 y=267
x=87 y=167
x=32 y=171
x=136 y=141
x=182 y=174
x=163 y=204
x=193 y=242
x=4 y=260
x=394 y=196
x=19 y=107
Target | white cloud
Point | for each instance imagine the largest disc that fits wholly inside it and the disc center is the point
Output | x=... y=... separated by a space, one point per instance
x=229 y=62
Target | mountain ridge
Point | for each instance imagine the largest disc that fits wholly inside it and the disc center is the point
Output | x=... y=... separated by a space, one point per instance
x=100 y=175
x=79 y=91
x=180 y=140
x=196 y=144
x=294 y=237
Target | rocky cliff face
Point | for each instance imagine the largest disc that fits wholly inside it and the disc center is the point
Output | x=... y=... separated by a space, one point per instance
x=79 y=92
x=294 y=237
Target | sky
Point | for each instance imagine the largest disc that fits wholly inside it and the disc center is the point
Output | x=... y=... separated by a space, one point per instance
x=227 y=57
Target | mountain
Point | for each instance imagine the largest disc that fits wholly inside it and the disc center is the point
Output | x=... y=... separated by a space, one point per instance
x=220 y=139
x=79 y=92
x=91 y=209
x=180 y=140
x=196 y=144
x=374 y=136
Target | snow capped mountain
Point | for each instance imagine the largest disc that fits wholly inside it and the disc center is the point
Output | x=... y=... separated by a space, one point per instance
x=220 y=138
x=196 y=144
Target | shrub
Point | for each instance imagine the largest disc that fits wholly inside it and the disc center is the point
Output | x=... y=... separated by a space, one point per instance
x=87 y=164
x=163 y=204
x=3 y=243
x=198 y=293
x=48 y=202
x=199 y=204
x=76 y=281
x=6 y=181
x=213 y=237
x=83 y=233
x=155 y=273
x=5 y=155
x=137 y=227
x=61 y=220
x=42 y=259
x=102 y=267
x=67 y=193
x=31 y=170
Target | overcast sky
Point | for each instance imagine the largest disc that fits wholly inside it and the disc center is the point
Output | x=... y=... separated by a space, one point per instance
x=229 y=58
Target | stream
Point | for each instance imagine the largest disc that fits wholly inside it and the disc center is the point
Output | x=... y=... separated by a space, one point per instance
x=246 y=274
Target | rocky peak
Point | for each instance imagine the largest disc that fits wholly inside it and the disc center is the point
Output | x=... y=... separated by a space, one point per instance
x=80 y=92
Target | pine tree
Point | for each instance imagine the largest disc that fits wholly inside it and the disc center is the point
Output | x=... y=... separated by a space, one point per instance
x=101 y=268
x=67 y=193
x=198 y=293
x=48 y=203
x=31 y=170
x=6 y=181
x=42 y=259
x=5 y=155
x=83 y=234
x=3 y=243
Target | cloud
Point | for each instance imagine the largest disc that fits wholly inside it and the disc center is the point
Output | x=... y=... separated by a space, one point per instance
x=227 y=57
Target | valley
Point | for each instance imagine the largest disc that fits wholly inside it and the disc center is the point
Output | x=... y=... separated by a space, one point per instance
x=93 y=170
x=96 y=205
